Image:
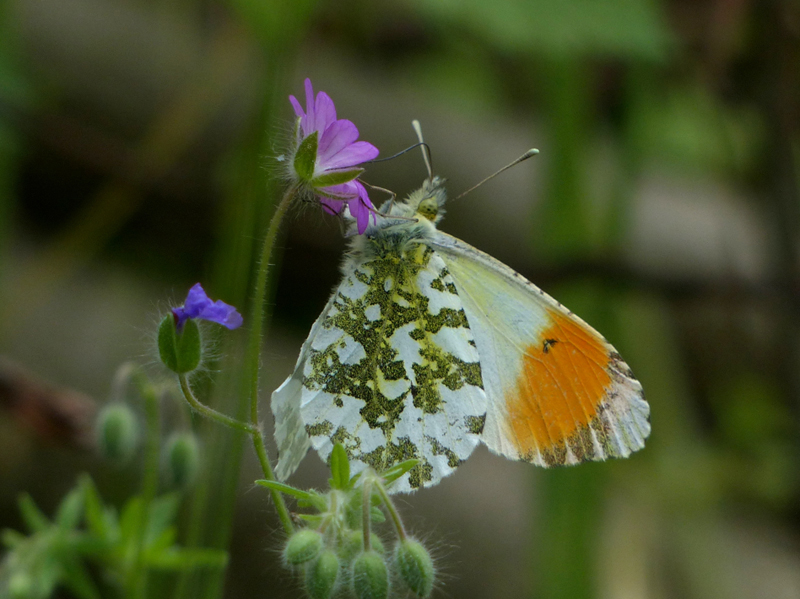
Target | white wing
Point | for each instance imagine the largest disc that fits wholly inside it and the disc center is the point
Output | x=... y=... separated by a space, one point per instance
x=558 y=392
x=390 y=370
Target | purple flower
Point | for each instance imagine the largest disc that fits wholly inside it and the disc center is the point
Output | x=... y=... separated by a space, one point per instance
x=199 y=305
x=329 y=163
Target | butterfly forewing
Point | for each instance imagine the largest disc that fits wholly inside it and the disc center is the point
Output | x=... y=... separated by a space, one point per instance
x=558 y=392
x=393 y=371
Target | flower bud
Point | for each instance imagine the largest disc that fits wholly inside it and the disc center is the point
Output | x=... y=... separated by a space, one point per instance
x=182 y=459
x=321 y=575
x=370 y=576
x=302 y=547
x=415 y=567
x=353 y=544
x=179 y=350
x=117 y=432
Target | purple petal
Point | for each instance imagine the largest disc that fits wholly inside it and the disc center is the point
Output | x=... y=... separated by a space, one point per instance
x=343 y=192
x=196 y=300
x=309 y=104
x=361 y=208
x=223 y=314
x=338 y=136
x=325 y=112
x=352 y=155
x=332 y=207
x=199 y=305
x=298 y=109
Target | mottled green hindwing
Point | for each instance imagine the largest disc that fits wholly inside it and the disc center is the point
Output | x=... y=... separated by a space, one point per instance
x=392 y=372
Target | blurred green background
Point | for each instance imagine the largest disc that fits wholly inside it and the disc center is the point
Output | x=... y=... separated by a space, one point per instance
x=136 y=157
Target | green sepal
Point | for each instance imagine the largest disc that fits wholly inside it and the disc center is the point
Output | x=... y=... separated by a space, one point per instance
x=117 y=432
x=370 y=576
x=314 y=499
x=415 y=567
x=340 y=468
x=179 y=351
x=336 y=177
x=182 y=459
x=306 y=157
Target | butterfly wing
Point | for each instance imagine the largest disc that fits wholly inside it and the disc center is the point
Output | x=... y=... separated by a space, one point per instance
x=290 y=431
x=558 y=392
x=390 y=370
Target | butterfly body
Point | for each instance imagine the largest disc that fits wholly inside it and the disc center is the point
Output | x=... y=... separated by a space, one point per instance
x=429 y=347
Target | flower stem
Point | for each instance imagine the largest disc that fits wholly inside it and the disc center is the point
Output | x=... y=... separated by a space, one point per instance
x=398 y=523
x=366 y=512
x=211 y=412
x=253 y=354
x=258 y=443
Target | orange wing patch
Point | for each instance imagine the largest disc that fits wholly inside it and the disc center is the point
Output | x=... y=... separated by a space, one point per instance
x=559 y=394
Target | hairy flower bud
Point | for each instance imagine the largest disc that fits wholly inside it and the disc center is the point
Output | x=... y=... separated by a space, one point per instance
x=303 y=546
x=117 y=432
x=180 y=351
x=353 y=544
x=415 y=567
x=370 y=576
x=321 y=575
x=182 y=459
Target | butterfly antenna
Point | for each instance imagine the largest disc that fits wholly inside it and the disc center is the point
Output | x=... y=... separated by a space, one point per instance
x=525 y=156
x=426 y=151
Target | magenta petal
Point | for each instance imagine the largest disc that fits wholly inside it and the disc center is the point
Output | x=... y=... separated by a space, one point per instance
x=309 y=102
x=325 y=112
x=332 y=207
x=298 y=109
x=354 y=154
x=338 y=136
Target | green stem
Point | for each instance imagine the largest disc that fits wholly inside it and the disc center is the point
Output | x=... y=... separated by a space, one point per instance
x=366 y=512
x=253 y=355
x=258 y=443
x=395 y=515
x=137 y=580
x=211 y=412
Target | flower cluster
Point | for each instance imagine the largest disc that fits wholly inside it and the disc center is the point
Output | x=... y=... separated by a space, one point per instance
x=327 y=156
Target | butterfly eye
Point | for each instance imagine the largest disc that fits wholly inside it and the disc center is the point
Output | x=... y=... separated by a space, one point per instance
x=429 y=208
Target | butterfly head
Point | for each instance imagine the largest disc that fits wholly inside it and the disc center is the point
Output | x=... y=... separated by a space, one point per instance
x=427 y=202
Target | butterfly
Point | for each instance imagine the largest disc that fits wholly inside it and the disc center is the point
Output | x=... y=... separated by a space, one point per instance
x=429 y=347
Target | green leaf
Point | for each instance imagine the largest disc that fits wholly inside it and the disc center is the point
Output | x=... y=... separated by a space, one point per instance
x=340 y=468
x=12 y=538
x=336 y=177
x=312 y=497
x=163 y=511
x=186 y=559
x=306 y=157
x=131 y=519
x=95 y=512
x=69 y=512
x=377 y=515
x=398 y=470
x=314 y=520
x=33 y=517
x=77 y=580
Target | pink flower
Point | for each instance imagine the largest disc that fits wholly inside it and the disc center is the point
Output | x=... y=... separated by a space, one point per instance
x=327 y=157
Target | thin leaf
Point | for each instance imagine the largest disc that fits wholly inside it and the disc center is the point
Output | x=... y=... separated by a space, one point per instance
x=186 y=559
x=95 y=512
x=163 y=512
x=312 y=497
x=33 y=517
x=398 y=470
x=340 y=468
x=77 y=580
x=70 y=510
